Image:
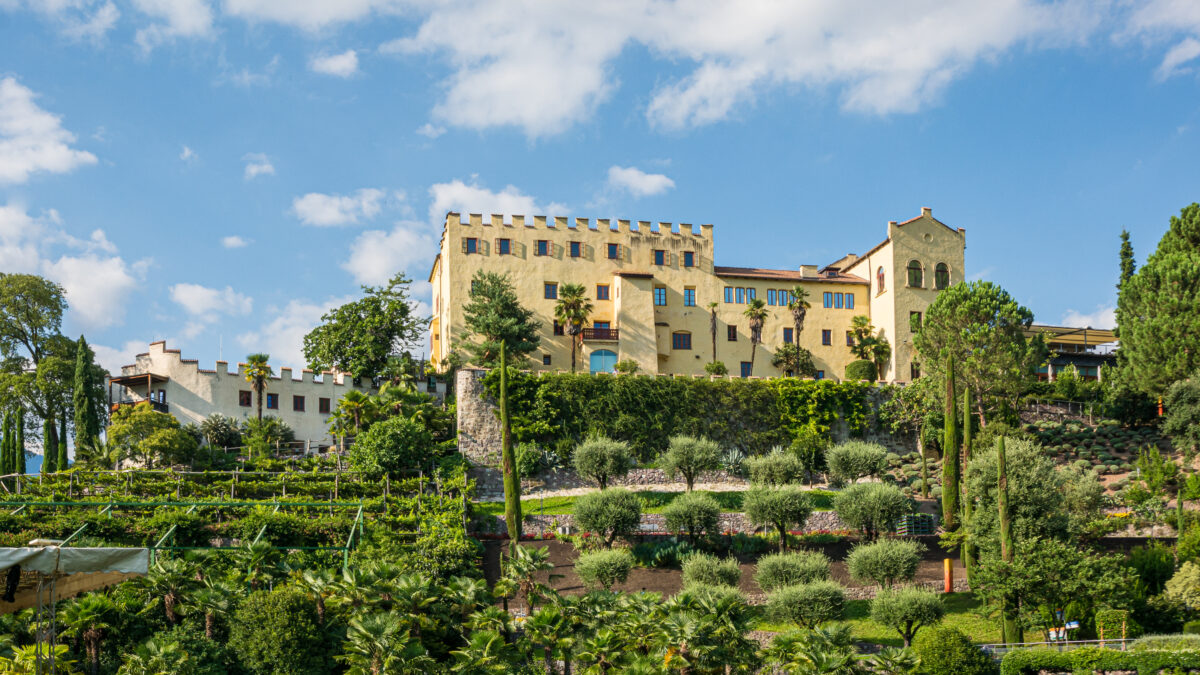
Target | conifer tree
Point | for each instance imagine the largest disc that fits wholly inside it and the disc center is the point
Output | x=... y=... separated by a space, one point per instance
x=512 y=481
x=62 y=463
x=1011 y=627
x=6 y=443
x=495 y=316
x=49 y=446
x=19 y=440
x=950 y=454
x=1128 y=266
x=968 y=551
x=87 y=424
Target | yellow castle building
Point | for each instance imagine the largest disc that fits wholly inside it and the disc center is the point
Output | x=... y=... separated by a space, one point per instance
x=652 y=286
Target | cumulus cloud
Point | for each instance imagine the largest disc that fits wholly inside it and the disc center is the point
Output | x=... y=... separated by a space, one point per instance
x=430 y=131
x=234 y=241
x=112 y=358
x=471 y=198
x=32 y=139
x=1104 y=316
x=1182 y=53
x=326 y=210
x=637 y=182
x=257 y=164
x=173 y=19
x=338 y=65
x=377 y=255
x=187 y=154
x=96 y=286
x=202 y=301
x=283 y=335
x=311 y=15
x=82 y=20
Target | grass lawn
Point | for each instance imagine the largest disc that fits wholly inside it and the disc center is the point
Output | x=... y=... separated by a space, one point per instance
x=652 y=501
x=962 y=612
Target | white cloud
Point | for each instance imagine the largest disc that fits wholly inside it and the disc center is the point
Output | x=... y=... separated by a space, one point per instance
x=202 y=301
x=470 y=198
x=112 y=358
x=1184 y=52
x=175 y=19
x=96 y=286
x=234 y=241
x=187 y=154
x=310 y=15
x=338 y=65
x=83 y=20
x=1103 y=317
x=430 y=131
x=325 y=210
x=257 y=164
x=247 y=77
x=32 y=139
x=638 y=182
x=283 y=336
x=376 y=255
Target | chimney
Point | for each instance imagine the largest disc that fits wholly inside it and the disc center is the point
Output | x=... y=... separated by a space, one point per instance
x=926 y=211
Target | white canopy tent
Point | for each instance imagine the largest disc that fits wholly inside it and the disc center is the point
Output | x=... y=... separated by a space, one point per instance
x=55 y=572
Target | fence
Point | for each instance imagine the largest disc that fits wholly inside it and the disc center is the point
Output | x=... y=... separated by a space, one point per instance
x=1062 y=409
x=997 y=651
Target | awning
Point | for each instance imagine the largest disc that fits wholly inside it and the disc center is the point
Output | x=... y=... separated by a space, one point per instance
x=71 y=560
x=138 y=380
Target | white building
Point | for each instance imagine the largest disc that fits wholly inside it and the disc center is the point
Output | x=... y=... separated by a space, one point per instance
x=179 y=386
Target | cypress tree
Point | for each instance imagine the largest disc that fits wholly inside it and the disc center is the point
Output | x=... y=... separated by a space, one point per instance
x=512 y=481
x=19 y=441
x=1011 y=628
x=87 y=424
x=950 y=454
x=968 y=551
x=1128 y=266
x=62 y=462
x=49 y=446
x=6 y=442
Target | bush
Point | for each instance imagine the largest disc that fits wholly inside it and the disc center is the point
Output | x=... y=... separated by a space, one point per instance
x=276 y=632
x=709 y=570
x=391 y=446
x=1092 y=659
x=210 y=657
x=852 y=460
x=604 y=569
x=688 y=456
x=626 y=366
x=1188 y=641
x=775 y=468
x=885 y=562
x=693 y=513
x=716 y=368
x=946 y=651
x=809 y=446
x=777 y=507
x=907 y=611
x=608 y=513
x=1188 y=545
x=661 y=553
x=862 y=370
x=807 y=605
x=871 y=508
x=530 y=459
x=778 y=570
x=602 y=459
x=221 y=431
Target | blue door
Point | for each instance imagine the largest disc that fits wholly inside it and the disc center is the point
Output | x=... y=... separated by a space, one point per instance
x=603 y=361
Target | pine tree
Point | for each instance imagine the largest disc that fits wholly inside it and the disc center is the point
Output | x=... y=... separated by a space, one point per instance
x=49 y=446
x=1012 y=628
x=495 y=316
x=62 y=463
x=512 y=481
x=1128 y=266
x=19 y=441
x=87 y=424
x=968 y=551
x=950 y=455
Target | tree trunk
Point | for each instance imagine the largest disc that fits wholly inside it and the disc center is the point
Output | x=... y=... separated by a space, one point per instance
x=259 y=390
x=512 y=482
x=782 y=538
x=573 y=345
x=210 y=625
x=753 y=348
x=950 y=454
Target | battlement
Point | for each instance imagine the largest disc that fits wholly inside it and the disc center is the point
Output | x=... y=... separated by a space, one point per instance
x=565 y=223
x=169 y=362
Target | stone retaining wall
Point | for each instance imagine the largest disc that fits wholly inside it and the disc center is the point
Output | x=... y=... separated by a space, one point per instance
x=655 y=522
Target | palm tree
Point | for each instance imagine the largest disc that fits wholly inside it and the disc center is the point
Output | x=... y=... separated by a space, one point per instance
x=358 y=406
x=87 y=619
x=712 y=327
x=522 y=566
x=320 y=585
x=215 y=599
x=155 y=657
x=864 y=337
x=548 y=631
x=486 y=653
x=378 y=643
x=604 y=651
x=798 y=305
x=881 y=351
x=756 y=312
x=572 y=311
x=171 y=579
x=257 y=372
x=258 y=559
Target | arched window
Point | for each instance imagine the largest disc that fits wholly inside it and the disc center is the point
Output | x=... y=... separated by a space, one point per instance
x=681 y=340
x=941 y=276
x=916 y=274
x=879 y=276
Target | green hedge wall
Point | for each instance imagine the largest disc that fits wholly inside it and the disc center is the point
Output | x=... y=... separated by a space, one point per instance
x=1092 y=659
x=751 y=415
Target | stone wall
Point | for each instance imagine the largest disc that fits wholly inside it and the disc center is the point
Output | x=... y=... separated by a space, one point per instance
x=478 y=421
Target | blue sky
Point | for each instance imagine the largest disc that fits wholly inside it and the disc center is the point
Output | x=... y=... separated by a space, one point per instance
x=216 y=173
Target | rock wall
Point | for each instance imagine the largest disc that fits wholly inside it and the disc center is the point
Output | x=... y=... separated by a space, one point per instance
x=478 y=421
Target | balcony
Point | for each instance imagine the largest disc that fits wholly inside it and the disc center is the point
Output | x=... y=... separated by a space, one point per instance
x=601 y=334
x=157 y=405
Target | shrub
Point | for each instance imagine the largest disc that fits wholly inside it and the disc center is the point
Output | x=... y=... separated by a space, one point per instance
x=1095 y=660
x=775 y=468
x=693 y=513
x=946 y=651
x=852 y=460
x=604 y=569
x=871 y=507
x=1192 y=628
x=777 y=507
x=907 y=611
x=661 y=553
x=602 y=459
x=391 y=446
x=807 y=605
x=1185 y=585
x=716 y=368
x=1188 y=545
x=221 y=431
x=608 y=513
x=688 y=456
x=861 y=370
x=530 y=459
x=276 y=632
x=626 y=366
x=885 y=562
x=709 y=570
x=778 y=570
x=809 y=446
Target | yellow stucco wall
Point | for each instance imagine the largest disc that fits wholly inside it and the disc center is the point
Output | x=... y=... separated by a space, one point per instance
x=646 y=329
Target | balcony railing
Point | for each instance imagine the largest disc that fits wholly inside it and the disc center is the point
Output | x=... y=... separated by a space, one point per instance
x=601 y=334
x=157 y=405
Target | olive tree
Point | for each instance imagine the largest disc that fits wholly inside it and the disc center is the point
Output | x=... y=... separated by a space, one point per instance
x=689 y=456
x=602 y=459
x=693 y=513
x=778 y=570
x=604 y=569
x=852 y=460
x=709 y=570
x=907 y=611
x=775 y=468
x=777 y=507
x=886 y=561
x=608 y=513
x=871 y=508
x=807 y=605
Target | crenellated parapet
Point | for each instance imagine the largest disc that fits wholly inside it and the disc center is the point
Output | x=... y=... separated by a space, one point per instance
x=169 y=362
x=499 y=221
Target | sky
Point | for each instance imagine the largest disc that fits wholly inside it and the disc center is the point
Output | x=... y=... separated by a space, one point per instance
x=218 y=173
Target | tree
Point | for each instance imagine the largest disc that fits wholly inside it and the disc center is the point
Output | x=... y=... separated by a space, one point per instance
x=379 y=643
x=277 y=632
x=980 y=328
x=1184 y=586
x=853 y=460
x=50 y=445
x=572 y=311
x=87 y=421
x=141 y=431
x=798 y=305
x=608 y=513
x=602 y=459
x=605 y=568
x=692 y=513
x=779 y=507
x=756 y=314
x=1128 y=265
x=361 y=336
x=689 y=456
x=358 y=408
x=88 y=618
x=907 y=611
x=391 y=447
x=807 y=605
x=702 y=569
x=794 y=360
x=869 y=345
x=950 y=466
x=522 y=567
x=947 y=651
x=258 y=371
x=774 y=469
x=221 y=431
x=968 y=551
x=885 y=562
x=712 y=328
x=778 y=570
x=494 y=315
x=810 y=447
x=62 y=462
x=872 y=508
x=1012 y=631
x=512 y=477
x=1182 y=422
x=907 y=413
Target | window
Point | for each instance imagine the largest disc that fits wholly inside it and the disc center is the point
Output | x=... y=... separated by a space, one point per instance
x=660 y=257
x=879 y=279
x=681 y=340
x=298 y=403
x=787 y=335
x=820 y=374
x=504 y=247
x=244 y=399
x=576 y=249
x=837 y=300
x=771 y=296
x=614 y=251
x=558 y=328
x=601 y=291
x=273 y=401
x=751 y=293
x=689 y=259
x=470 y=245
x=602 y=325
x=849 y=338
x=323 y=405
x=941 y=276
x=551 y=290
x=914 y=322
x=545 y=359
x=741 y=296
x=728 y=294
x=542 y=248
x=914 y=370
x=827 y=300
x=849 y=301
x=660 y=296
x=916 y=275
x=826 y=337
x=689 y=297
x=747 y=368
x=731 y=333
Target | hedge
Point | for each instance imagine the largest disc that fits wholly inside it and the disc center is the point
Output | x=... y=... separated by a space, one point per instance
x=1093 y=659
